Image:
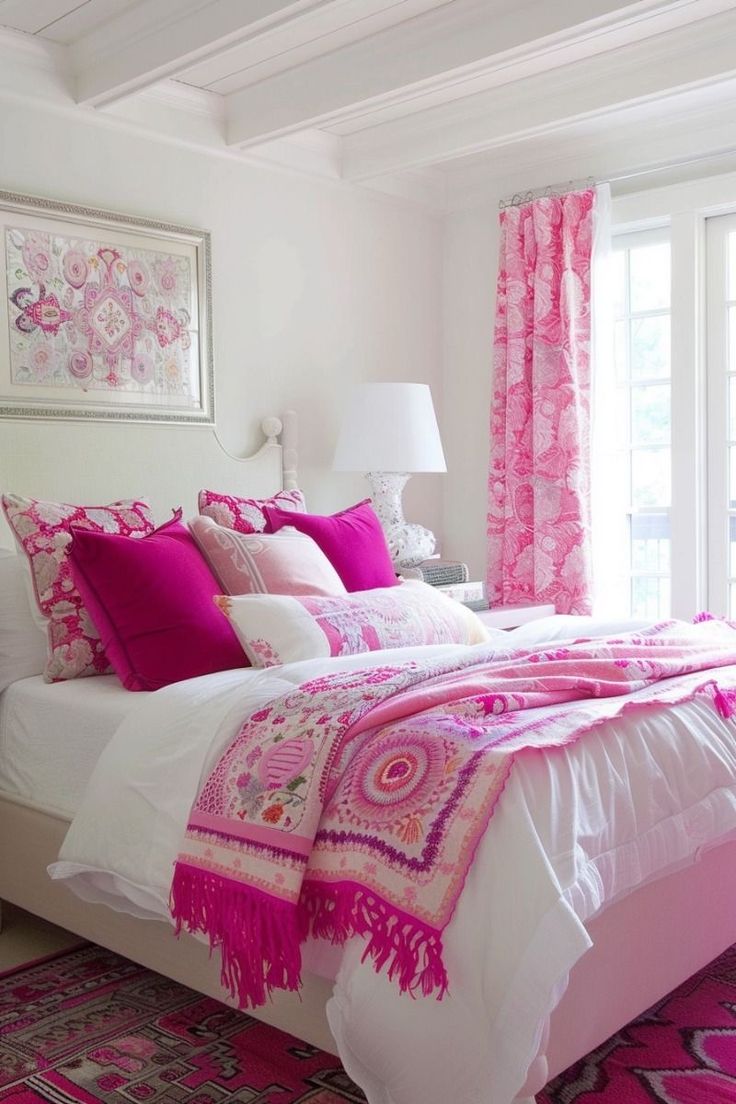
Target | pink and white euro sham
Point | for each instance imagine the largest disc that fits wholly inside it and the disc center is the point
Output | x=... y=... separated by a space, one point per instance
x=539 y=531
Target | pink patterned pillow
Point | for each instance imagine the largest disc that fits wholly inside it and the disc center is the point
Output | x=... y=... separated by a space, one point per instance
x=43 y=533
x=277 y=629
x=265 y=563
x=246 y=515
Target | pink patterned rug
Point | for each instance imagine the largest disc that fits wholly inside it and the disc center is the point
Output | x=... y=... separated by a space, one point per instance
x=87 y=1026
x=682 y=1051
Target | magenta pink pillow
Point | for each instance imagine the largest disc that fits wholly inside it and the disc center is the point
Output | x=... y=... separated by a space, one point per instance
x=246 y=515
x=151 y=602
x=352 y=541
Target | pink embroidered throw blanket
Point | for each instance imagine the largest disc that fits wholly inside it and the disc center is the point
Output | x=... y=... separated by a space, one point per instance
x=354 y=804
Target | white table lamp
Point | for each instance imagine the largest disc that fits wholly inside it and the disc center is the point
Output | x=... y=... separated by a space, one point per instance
x=390 y=431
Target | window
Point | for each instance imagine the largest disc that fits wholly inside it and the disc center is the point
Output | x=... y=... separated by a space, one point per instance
x=664 y=472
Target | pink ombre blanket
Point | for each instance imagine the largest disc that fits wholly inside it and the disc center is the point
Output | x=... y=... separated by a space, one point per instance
x=354 y=805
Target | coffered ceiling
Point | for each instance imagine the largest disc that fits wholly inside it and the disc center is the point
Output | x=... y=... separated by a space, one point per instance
x=460 y=94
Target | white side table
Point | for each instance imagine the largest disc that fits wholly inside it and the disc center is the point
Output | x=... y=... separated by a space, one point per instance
x=510 y=617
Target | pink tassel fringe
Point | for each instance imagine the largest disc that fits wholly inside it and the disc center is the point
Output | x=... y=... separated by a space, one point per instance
x=259 y=937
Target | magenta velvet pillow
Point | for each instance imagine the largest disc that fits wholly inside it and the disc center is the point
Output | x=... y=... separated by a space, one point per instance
x=151 y=602
x=352 y=541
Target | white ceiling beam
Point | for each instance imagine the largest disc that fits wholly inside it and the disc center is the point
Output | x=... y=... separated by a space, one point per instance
x=442 y=47
x=698 y=55
x=161 y=38
x=292 y=43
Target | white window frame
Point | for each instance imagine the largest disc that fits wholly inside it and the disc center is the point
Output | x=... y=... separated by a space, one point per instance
x=718 y=230
x=621 y=241
x=685 y=208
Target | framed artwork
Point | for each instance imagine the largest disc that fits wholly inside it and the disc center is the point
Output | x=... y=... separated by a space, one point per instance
x=103 y=315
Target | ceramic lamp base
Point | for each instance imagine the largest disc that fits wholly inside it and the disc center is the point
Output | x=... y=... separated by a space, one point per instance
x=408 y=543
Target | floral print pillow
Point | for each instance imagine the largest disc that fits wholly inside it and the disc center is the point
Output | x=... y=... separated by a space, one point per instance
x=43 y=532
x=246 y=515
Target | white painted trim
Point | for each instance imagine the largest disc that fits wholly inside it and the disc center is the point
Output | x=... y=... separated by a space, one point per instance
x=687 y=437
x=717 y=230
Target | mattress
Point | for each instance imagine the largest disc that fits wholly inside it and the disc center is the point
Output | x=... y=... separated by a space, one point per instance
x=51 y=736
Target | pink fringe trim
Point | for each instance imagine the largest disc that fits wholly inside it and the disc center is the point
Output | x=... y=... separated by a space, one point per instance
x=259 y=936
x=412 y=950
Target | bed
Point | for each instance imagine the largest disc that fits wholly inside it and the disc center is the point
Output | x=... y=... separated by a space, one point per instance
x=628 y=930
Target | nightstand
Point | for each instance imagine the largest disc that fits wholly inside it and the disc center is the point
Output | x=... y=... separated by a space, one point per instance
x=510 y=617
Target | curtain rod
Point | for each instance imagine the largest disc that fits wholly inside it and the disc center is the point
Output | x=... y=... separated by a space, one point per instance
x=518 y=198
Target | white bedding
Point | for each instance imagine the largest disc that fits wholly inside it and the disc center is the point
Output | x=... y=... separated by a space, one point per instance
x=575 y=829
x=51 y=736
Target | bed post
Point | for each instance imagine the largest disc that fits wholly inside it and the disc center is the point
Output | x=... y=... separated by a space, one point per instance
x=289 y=455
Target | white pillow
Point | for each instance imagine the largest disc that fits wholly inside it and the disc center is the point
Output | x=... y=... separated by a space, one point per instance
x=565 y=626
x=22 y=641
x=275 y=628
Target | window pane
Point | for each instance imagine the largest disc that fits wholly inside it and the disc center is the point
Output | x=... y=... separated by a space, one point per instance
x=650 y=347
x=650 y=543
x=618 y=280
x=732 y=478
x=732 y=547
x=621 y=350
x=650 y=415
x=732 y=601
x=650 y=477
x=732 y=266
x=650 y=597
x=650 y=277
x=731 y=367
x=732 y=408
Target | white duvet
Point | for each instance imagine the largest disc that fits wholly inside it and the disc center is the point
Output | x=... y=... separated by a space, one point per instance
x=575 y=829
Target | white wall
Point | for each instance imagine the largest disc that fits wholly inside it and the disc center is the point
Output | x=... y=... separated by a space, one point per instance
x=316 y=284
x=471 y=249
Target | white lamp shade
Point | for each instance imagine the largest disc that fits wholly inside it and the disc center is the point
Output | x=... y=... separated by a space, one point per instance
x=390 y=427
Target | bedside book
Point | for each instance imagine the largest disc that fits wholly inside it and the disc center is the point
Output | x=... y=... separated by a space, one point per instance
x=438 y=572
x=465 y=592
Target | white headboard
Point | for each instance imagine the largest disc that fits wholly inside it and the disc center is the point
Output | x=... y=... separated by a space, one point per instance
x=96 y=462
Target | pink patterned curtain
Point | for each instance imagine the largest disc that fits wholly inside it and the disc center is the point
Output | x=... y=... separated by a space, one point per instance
x=539 y=479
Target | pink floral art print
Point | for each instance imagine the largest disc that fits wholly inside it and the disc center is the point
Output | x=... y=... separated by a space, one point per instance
x=101 y=324
x=539 y=478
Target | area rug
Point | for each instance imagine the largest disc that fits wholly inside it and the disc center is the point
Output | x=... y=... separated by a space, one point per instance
x=87 y=1026
x=682 y=1051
